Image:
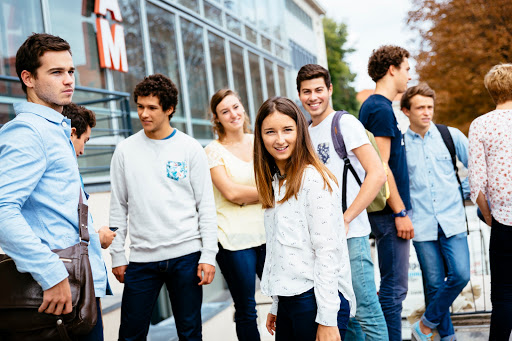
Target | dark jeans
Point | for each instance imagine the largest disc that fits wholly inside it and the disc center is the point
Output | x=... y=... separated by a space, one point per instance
x=394 y=267
x=500 y=256
x=296 y=317
x=240 y=268
x=142 y=284
x=96 y=333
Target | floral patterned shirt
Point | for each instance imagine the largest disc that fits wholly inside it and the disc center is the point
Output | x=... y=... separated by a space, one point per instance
x=490 y=162
x=307 y=247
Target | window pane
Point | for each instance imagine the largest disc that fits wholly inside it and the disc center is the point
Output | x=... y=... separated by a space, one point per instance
x=218 y=58
x=257 y=93
x=18 y=19
x=202 y=131
x=269 y=77
x=79 y=29
x=190 y=4
x=251 y=35
x=212 y=13
x=162 y=35
x=282 y=81
x=233 y=25
x=134 y=50
x=237 y=62
x=192 y=36
x=267 y=45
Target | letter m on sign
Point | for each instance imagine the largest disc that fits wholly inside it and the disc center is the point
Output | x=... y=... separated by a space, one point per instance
x=111 y=45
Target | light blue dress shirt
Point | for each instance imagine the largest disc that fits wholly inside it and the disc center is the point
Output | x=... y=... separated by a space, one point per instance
x=435 y=192
x=39 y=193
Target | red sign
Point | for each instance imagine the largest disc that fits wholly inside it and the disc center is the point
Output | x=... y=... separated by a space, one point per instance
x=111 y=44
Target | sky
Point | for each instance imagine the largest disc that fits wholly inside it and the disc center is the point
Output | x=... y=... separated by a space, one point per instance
x=371 y=23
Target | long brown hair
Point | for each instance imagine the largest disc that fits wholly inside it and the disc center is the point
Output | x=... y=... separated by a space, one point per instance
x=217 y=127
x=302 y=156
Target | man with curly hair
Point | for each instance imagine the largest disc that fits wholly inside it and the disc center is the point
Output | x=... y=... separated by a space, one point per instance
x=160 y=178
x=388 y=66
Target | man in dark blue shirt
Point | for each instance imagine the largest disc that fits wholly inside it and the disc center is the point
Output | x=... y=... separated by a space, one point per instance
x=389 y=68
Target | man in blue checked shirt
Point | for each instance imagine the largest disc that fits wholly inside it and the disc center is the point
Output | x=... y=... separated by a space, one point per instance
x=39 y=179
x=439 y=221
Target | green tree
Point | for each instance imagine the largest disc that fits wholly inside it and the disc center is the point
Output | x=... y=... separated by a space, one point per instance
x=344 y=95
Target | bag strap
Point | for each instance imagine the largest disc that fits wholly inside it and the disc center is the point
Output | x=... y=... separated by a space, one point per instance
x=83 y=213
x=339 y=146
x=450 y=145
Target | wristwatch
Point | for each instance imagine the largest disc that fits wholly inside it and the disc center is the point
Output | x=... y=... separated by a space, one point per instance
x=402 y=213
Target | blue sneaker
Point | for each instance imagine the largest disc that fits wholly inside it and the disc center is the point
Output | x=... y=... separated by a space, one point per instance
x=418 y=335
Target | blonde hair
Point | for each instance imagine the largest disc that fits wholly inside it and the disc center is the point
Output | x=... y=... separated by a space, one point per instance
x=498 y=81
x=217 y=127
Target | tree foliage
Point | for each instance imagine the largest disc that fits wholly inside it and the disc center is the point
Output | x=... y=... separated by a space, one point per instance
x=460 y=41
x=344 y=95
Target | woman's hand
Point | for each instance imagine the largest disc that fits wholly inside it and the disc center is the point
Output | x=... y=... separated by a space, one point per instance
x=326 y=333
x=271 y=323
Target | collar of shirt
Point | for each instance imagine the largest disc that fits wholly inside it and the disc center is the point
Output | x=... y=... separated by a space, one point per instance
x=44 y=112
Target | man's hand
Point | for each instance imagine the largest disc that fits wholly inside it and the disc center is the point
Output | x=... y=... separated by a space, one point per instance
x=327 y=333
x=106 y=236
x=404 y=228
x=205 y=272
x=119 y=271
x=271 y=323
x=57 y=299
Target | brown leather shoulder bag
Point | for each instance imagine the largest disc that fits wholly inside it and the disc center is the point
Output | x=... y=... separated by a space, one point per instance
x=21 y=296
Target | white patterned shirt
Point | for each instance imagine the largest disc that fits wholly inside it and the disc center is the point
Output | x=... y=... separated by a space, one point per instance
x=490 y=162
x=307 y=247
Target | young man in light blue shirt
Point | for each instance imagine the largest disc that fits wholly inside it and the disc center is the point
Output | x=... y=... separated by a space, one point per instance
x=39 y=179
x=439 y=221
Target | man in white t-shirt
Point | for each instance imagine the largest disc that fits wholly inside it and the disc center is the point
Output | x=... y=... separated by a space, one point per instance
x=315 y=88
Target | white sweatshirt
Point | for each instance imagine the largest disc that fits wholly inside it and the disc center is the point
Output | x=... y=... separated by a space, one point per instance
x=165 y=188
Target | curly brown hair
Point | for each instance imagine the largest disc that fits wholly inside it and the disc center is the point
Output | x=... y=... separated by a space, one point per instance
x=161 y=87
x=382 y=58
x=498 y=81
x=30 y=52
x=80 y=117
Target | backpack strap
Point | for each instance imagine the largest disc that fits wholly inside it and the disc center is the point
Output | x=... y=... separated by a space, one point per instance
x=450 y=145
x=339 y=146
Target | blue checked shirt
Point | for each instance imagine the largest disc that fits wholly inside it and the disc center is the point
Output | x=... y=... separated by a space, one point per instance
x=39 y=193
x=435 y=193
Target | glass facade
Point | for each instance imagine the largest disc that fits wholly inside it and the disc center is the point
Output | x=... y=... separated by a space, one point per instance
x=202 y=45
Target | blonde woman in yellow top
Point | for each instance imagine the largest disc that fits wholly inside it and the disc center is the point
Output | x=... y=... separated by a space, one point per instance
x=239 y=214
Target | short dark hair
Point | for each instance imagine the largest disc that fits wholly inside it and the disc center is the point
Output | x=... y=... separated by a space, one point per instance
x=80 y=117
x=30 y=52
x=312 y=71
x=421 y=89
x=161 y=87
x=382 y=58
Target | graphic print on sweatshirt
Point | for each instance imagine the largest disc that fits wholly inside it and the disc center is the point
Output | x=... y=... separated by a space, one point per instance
x=177 y=170
x=323 y=152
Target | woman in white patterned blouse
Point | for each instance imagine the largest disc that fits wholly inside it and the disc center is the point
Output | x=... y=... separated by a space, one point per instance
x=307 y=269
x=490 y=171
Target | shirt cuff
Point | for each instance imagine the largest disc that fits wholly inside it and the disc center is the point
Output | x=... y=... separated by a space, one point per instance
x=275 y=303
x=52 y=276
x=327 y=318
x=207 y=257
x=118 y=259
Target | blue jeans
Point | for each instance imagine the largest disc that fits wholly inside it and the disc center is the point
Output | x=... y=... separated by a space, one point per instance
x=240 y=269
x=394 y=267
x=443 y=286
x=296 y=317
x=500 y=257
x=369 y=322
x=142 y=284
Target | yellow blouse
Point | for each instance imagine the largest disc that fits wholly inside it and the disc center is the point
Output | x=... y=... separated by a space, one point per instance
x=240 y=227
